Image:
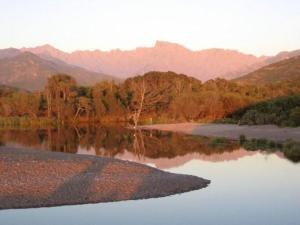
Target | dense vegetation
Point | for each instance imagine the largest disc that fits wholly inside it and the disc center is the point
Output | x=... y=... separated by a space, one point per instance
x=282 y=111
x=151 y=98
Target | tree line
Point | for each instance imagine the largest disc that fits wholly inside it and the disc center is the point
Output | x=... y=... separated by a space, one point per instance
x=152 y=98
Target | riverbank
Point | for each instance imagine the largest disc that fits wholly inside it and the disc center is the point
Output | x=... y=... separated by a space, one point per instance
x=231 y=131
x=31 y=178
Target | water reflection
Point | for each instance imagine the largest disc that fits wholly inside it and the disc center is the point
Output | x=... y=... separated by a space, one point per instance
x=248 y=187
x=161 y=149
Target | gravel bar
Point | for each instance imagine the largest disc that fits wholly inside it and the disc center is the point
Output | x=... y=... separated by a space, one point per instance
x=31 y=178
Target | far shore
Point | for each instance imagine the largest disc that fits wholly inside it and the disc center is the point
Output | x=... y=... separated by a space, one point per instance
x=31 y=178
x=270 y=132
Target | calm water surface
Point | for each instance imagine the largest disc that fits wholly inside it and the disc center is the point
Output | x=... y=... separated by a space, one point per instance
x=248 y=187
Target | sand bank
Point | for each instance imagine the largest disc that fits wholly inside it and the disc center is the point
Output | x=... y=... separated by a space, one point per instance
x=30 y=178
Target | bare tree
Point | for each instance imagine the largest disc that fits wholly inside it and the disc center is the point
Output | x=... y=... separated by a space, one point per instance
x=83 y=105
x=140 y=92
x=146 y=98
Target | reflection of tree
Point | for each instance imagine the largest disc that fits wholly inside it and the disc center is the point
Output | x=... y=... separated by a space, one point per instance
x=49 y=134
x=138 y=143
x=62 y=140
x=115 y=140
x=112 y=141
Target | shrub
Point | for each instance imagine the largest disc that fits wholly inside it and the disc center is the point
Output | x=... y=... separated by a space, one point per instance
x=242 y=139
x=295 y=116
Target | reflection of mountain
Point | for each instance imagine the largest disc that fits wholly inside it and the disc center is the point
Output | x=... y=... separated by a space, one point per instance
x=167 y=163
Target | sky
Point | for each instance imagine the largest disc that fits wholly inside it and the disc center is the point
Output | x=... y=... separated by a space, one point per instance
x=259 y=27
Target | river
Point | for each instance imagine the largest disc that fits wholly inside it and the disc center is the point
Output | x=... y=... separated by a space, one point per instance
x=247 y=187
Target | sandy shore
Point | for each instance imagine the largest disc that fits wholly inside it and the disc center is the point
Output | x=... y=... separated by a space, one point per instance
x=30 y=178
x=270 y=132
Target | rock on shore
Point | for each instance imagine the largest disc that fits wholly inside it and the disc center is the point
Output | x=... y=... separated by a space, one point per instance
x=31 y=178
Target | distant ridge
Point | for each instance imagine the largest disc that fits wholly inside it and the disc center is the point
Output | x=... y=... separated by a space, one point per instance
x=288 y=69
x=164 y=56
x=28 y=71
x=9 y=52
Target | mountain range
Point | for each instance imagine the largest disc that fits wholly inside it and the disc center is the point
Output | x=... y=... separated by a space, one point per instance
x=164 y=56
x=29 y=68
